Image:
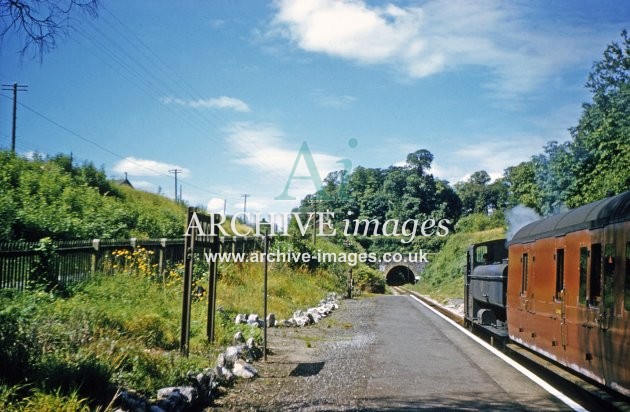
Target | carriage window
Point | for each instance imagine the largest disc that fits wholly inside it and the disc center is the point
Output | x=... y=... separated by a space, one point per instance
x=559 y=272
x=524 y=273
x=481 y=255
x=595 y=283
x=583 y=269
x=627 y=287
x=609 y=275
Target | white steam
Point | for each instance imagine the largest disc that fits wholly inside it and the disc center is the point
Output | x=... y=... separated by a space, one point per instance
x=518 y=217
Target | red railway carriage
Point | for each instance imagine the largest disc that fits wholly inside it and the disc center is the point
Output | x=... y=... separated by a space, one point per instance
x=568 y=291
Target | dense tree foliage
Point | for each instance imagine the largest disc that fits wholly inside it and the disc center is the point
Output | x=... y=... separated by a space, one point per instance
x=398 y=192
x=54 y=198
x=601 y=145
x=478 y=195
x=520 y=181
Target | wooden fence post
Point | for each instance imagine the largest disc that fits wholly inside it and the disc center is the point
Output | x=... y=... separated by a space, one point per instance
x=161 y=257
x=96 y=244
x=213 y=267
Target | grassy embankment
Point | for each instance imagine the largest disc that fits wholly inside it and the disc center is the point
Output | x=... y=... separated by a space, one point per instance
x=123 y=331
x=72 y=349
x=443 y=278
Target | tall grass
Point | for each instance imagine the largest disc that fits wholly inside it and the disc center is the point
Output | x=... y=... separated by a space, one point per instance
x=123 y=331
x=240 y=288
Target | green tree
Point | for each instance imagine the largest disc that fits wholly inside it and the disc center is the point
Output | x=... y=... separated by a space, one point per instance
x=521 y=185
x=601 y=140
x=555 y=175
x=420 y=160
x=595 y=163
x=398 y=192
x=448 y=203
x=394 y=189
x=476 y=195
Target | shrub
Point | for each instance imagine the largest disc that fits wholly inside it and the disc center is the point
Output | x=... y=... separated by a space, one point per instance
x=368 y=279
x=479 y=222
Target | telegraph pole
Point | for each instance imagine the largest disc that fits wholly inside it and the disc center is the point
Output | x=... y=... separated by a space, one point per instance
x=245 y=196
x=175 y=171
x=15 y=88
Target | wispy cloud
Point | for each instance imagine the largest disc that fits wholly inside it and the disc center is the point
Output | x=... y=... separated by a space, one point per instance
x=215 y=205
x=144 y=167
x=265 y=149
x=455 y=162
x=495 y=155
x=144 y=185
x=439 y=36
x=217 y=23
x=222 y=102
x=337 y=101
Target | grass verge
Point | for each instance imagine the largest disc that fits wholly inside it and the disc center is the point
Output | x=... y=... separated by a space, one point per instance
x=73 y=352
x=443 y=278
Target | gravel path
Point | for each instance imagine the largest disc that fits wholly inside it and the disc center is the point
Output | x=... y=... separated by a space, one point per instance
x=308 y=368
x=366 y=356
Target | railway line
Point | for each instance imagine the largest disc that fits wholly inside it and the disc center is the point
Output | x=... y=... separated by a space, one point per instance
x=576 y=391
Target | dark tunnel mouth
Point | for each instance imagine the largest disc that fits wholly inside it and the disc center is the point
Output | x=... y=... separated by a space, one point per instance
x=400 y=275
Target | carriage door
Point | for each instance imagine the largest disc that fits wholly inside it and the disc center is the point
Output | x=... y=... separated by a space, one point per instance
x=607 y=311
x=559 y=298
x=595 y=301
x=526 y=271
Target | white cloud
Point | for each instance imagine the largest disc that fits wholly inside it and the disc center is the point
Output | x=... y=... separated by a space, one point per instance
x=439 y=36
x=144 y=167
x=30 y=154
x=337 y=101
x=217 y=23
x=264 y=148
x=222 y=102
x=144 y=185
x=215 y=205
x=495 y=155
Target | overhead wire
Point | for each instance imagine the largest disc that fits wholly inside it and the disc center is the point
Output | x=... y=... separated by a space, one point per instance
x=174 y=76
x=101 y=147
x=159 y=89
x=126 y=70
x=149 y=87
x=140 y=69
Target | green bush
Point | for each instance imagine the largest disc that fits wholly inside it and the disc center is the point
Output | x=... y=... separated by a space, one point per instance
x=443 y=277
x=479 y=222
x=55 y=198
x=369 y=279
x=17 y=346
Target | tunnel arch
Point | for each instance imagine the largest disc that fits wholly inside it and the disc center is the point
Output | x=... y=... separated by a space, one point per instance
x=399 y=275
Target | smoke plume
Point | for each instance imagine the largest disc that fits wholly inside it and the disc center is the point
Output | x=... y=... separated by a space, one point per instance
x=518 y=217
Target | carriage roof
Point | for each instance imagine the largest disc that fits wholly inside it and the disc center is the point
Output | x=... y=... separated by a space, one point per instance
x=591 y=216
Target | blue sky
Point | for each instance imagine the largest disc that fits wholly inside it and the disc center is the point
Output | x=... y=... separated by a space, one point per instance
x=227 y=91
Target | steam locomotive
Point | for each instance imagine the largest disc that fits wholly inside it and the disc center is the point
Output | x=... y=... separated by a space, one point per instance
x=560 y=287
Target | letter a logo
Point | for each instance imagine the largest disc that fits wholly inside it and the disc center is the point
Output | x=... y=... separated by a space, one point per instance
x=305 y=153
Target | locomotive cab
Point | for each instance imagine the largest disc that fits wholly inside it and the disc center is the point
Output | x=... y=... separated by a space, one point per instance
x=485 y=289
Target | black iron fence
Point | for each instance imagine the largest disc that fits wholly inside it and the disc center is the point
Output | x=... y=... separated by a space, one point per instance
x=67 y=262
x=71 y=261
